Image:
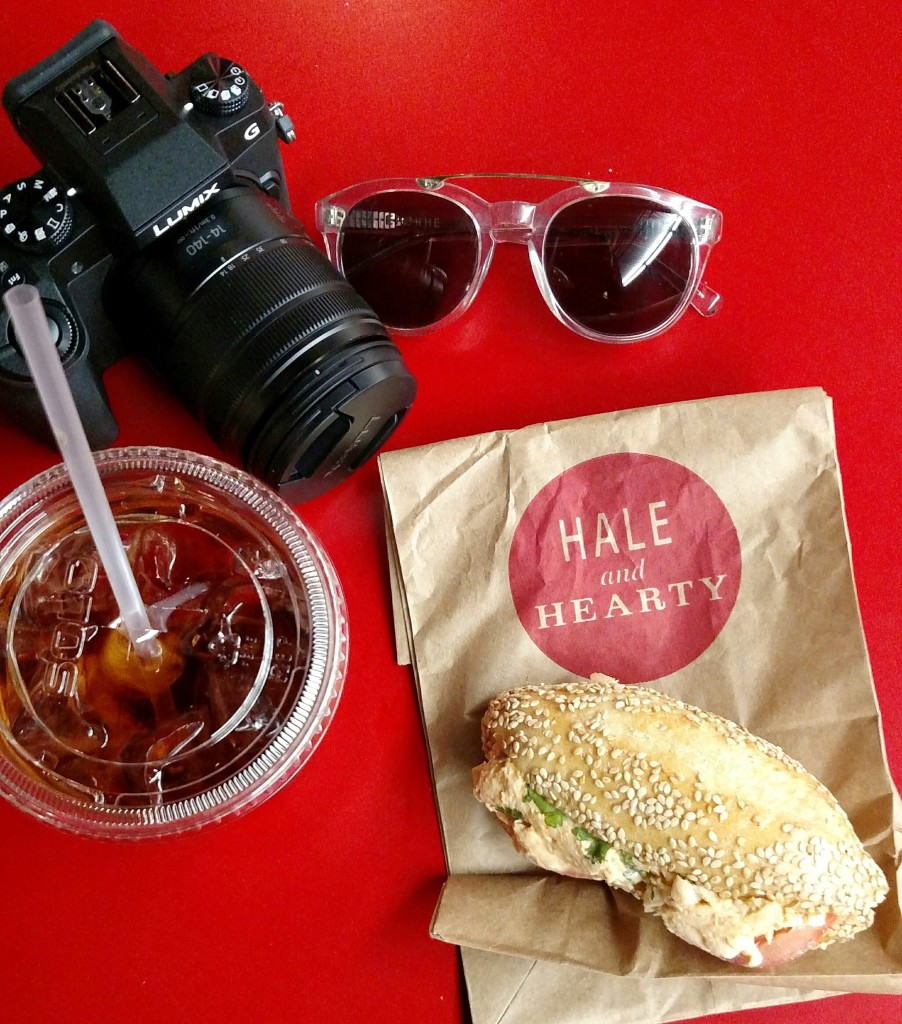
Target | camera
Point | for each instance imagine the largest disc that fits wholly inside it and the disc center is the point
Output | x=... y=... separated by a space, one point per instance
x=159 y=224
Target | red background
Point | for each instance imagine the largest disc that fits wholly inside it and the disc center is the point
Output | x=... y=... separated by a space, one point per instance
x=316 y=906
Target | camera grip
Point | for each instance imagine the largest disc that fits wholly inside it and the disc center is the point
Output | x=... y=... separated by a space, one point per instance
x=92 y=404
x=19 y=398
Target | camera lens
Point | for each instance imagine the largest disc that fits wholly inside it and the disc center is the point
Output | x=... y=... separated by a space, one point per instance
x=289 y=369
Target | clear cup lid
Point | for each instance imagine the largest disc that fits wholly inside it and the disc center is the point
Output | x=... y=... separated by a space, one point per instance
x=252 y=648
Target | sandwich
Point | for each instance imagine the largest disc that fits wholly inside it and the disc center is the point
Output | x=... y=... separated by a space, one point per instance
x=732 y=843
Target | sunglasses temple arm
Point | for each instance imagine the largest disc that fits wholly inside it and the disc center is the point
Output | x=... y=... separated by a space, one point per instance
x=705 y=300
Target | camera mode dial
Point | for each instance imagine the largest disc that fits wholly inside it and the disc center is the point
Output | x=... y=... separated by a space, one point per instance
x=35 y=215
x=219 y=87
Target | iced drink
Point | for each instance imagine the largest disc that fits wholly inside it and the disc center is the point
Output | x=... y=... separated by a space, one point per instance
x=251 y=657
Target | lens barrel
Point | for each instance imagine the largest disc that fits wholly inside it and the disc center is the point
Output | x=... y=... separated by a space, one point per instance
x=288 y=368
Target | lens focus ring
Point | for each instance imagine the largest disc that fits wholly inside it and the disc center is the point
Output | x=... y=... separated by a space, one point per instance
x=230 y=336
x=274 y=348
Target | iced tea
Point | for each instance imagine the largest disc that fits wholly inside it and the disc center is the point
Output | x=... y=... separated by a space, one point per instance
x=82 y=713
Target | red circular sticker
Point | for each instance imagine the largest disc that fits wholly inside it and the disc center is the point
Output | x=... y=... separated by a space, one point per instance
x=625 y=564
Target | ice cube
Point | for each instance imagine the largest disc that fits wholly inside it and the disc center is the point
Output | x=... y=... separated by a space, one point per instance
x=56 y=723
x=152 y=553
x=162 y=757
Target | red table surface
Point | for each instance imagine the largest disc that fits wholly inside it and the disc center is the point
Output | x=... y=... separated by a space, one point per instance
x=316 y=906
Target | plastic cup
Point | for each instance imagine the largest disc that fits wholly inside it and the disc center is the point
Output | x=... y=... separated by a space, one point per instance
x=99 y=741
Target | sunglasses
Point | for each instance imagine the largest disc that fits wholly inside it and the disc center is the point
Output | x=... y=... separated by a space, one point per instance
x=614 y=262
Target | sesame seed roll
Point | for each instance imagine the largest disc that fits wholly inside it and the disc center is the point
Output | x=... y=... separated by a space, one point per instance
x=679 y=794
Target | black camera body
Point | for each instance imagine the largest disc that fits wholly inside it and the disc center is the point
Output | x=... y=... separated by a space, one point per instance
x=160 y=224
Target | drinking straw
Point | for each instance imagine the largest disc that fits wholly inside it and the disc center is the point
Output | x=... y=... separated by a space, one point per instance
x=23 y=302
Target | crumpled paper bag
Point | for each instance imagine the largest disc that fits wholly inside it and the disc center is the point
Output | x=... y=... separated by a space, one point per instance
x=700 y=547
x=516 y=990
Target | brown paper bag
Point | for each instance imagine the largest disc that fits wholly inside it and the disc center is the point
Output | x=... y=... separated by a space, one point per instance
x=514 y=990
x=700 y=547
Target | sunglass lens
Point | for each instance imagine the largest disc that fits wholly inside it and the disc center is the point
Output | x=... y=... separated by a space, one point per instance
x=411 y=255
x=617 y=265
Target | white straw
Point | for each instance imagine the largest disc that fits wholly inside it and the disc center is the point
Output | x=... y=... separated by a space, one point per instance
x=23 y=302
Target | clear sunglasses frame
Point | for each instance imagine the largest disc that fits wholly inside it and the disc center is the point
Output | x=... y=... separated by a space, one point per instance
x=527 y=223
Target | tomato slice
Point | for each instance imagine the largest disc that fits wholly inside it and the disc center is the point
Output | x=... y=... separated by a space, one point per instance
x=788 y=944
